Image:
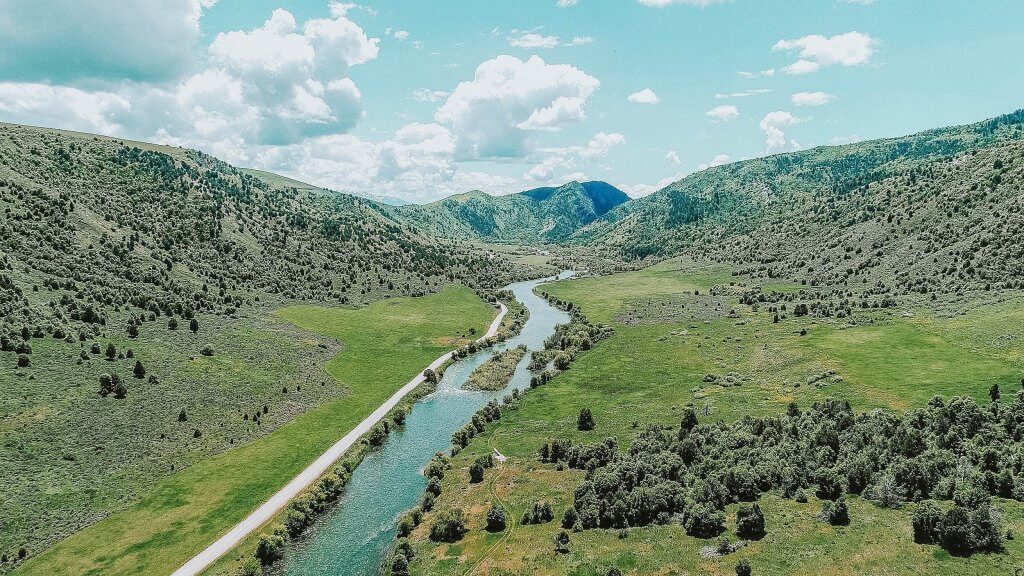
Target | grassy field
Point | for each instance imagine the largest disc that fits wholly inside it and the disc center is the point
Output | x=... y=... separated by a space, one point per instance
x=382 y=346
x=673 y=333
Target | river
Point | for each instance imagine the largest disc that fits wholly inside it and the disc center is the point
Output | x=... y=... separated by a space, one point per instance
x=351 y=539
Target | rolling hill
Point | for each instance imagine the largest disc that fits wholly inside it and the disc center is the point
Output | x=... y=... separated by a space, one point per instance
x=541 y=215
x=937 y=211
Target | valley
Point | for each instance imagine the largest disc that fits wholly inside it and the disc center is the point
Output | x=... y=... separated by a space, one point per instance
x=185 y=337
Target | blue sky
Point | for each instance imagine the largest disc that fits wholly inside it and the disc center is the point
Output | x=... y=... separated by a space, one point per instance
x=424 y=99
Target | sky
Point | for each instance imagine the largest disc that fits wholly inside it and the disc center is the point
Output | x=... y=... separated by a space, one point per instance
x=419 y=100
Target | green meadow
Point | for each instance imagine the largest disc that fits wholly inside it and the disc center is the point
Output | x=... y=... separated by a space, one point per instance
x=682 y=337
x=382 y=346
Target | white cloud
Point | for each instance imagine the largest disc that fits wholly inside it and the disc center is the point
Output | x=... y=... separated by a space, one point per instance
x=564 y=110
x=812 y=98
x=744 y=94
x=718 y=160
x=763 y=73
x=581 y=40
x=641 y=190
x=817 y=51
x=572 y=157
x=401 y=35
x=428 y=95
x=663 y=3
x=567 y=3
x=645 y=96
x=838 y=140
x=534 y=40
x=68 y=108
x=672 y=157
x=298 y=81
x=495 y=114
x=724 y=113
x=772 y=125
x=71 y=40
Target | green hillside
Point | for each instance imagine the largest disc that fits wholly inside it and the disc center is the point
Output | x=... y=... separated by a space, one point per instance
x=138 y=334
x=935 y=211
x=535 y=216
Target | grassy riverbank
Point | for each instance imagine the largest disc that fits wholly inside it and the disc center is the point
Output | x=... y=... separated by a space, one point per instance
x=383 y=346
x=682 y=336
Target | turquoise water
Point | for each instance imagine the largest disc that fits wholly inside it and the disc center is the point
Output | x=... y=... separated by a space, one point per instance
x=351 y=539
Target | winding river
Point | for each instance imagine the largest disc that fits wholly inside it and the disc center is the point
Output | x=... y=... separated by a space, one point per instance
x=352 y=538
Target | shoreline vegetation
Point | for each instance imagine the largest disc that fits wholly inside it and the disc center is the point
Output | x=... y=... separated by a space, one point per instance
x=262 y=549
x=494 y=374
x=217 y=493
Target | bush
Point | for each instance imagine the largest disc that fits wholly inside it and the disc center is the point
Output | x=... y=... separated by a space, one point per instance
x=585 y=421
x=207 y=350
x=750 y=521
x=24 y=361
x=704 y=521
x=496 y=519
x=449 y=526
x=570 y=518
x=835 y=513
x=927 y=522
x=400 y=565
x=562 y=543
x=476 y=473
x=541 y=513
x=270 y=548
x=743 y=568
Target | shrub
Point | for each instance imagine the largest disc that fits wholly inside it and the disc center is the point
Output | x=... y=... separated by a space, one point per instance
x=476 y=473
x=207 y=350
x=570 y=518
x=496 y=519
x=541 y=513
x=704 y=520
x=400 y=565
x=835 y=513
x=743 y=567
x=585 y=421
x=927 y=522
x=270 y=548
x=449 y=526
x=750 y=521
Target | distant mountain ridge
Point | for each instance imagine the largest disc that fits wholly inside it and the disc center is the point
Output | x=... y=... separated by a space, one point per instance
x=540 y=215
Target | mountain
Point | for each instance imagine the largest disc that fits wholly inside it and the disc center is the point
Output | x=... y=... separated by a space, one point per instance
x=93 y=224
x=937 y=211
x=535 y=216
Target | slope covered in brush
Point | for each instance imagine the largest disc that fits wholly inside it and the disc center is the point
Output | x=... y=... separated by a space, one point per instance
x=941 y=210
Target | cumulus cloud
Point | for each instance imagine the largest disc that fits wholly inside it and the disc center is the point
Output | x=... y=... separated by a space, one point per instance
x=817 y=51
x=724 y=113
x=718 y=160
x=495 y=114
x=534 y=40
x=645 y=96
x=812 y=98
x=573 y=157
x=68 y=108
x=62 y=41
x=672 y=157
x=296 y=79
x=773 y=124
x=641 y=190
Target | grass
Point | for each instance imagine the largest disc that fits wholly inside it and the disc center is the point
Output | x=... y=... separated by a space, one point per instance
x=667 y=341
x=383 y=346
